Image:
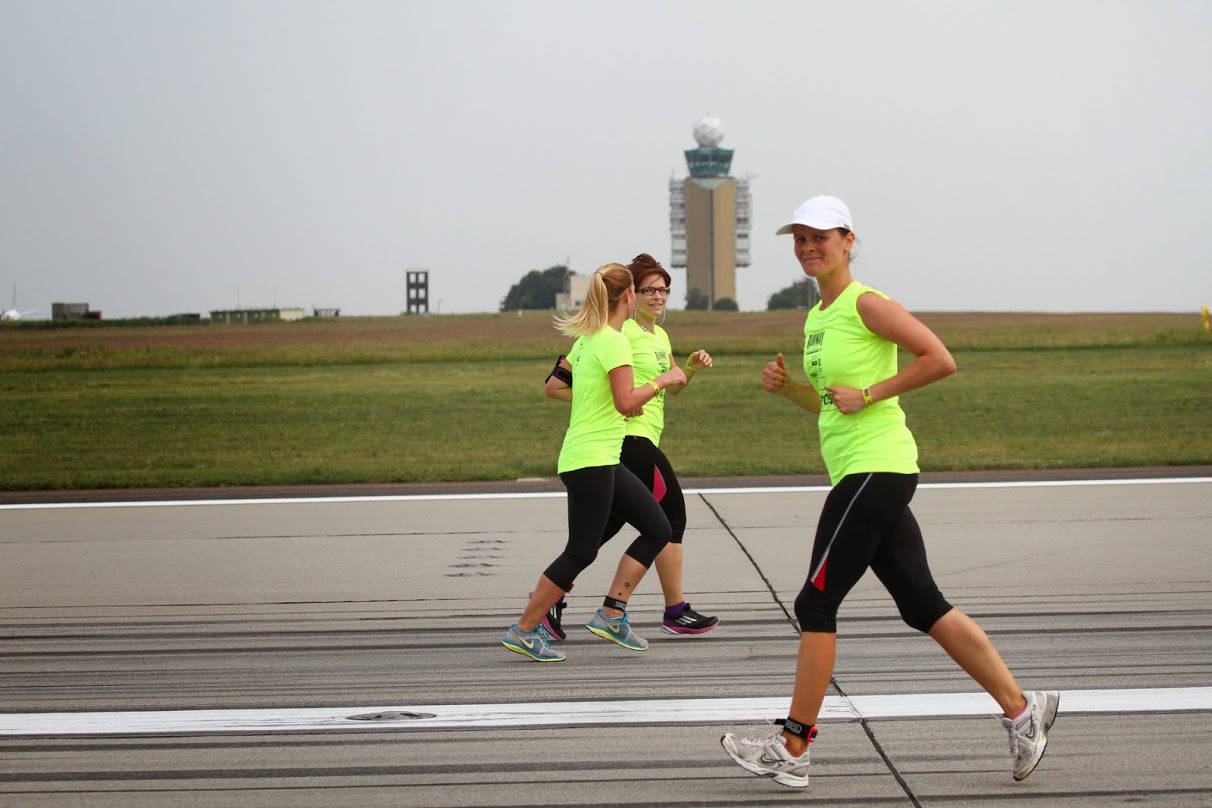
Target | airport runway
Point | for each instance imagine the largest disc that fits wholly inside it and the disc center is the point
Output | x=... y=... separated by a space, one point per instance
x=344 y=651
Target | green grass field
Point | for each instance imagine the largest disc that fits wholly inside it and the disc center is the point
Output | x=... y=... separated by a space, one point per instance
x=444 y=398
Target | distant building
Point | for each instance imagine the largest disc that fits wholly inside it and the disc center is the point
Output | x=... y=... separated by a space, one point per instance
x=326 y=311
x=73 y=311
x=576 y=288
x=709 y=215
x=418 y=291
x=257 y=315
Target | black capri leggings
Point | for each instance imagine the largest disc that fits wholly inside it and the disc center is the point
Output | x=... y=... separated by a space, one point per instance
x=593 y=494
x=646 y=461
x=866 y=522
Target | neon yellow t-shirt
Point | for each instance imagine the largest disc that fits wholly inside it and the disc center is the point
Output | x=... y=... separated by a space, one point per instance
x=595 y=428
x=840 y=350
x=650 y=353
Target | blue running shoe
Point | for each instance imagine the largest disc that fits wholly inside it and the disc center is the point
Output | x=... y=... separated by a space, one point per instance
x=616 y=629
x=530 y=643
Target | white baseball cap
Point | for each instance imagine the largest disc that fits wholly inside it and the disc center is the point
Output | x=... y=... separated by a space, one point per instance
x=819 y=213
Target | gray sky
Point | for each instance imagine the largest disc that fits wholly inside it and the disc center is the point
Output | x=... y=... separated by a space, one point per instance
x=163 y=157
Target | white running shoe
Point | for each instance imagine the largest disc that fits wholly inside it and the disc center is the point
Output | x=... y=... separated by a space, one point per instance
x=1029 y=732
x=767 y=756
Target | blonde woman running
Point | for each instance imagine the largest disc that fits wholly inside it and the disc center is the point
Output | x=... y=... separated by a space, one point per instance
x=589 y=467
x=641 y=448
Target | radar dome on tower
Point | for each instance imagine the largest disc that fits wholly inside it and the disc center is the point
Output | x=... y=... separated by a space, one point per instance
x=708 y=132
x=709 y=214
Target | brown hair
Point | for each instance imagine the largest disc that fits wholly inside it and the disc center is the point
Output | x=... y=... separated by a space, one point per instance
x=644 y=265
x=606 y=289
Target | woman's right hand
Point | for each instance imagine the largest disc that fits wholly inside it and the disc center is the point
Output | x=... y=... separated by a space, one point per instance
x=675 y=375
x=775 y=376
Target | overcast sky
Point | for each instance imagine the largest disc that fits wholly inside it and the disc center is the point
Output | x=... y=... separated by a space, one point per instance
x=163 y=157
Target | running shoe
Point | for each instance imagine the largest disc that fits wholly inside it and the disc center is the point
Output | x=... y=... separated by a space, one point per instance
x=551 y=621
x=530 y=643
x=767 y=756
x=689 y=623
x=616 y=629
x=1029 y=732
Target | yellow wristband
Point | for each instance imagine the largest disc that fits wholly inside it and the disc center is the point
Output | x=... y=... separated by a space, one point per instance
x=867 y=396
x=655 y=386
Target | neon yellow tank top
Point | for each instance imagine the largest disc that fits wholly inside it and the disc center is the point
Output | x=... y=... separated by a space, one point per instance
x=840 y=350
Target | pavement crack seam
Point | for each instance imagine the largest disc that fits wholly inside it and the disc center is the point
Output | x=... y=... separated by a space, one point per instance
x=774 y=594
x=832 y=681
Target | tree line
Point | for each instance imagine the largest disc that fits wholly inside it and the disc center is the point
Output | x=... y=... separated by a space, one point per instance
x=538 y=289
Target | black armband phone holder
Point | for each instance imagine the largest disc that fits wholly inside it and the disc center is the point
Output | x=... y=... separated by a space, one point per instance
x=563 y=374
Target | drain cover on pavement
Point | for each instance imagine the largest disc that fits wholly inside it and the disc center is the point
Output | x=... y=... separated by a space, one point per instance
x=392 y=715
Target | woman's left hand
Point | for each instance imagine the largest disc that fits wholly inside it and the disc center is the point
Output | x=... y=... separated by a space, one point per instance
x=848 y=400
x=698 y=360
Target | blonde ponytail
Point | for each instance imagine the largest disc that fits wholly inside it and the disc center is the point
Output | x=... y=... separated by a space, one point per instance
x=606 y=288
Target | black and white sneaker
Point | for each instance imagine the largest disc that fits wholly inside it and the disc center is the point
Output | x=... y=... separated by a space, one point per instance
x=689 y=623
x=551 y=621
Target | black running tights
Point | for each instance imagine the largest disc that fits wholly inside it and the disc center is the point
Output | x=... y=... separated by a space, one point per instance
x=866 y=522
x=648 y=462
x=593 y=494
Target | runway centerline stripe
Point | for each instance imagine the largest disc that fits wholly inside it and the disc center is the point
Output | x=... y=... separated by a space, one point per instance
x=754 y=710
x=35 y=506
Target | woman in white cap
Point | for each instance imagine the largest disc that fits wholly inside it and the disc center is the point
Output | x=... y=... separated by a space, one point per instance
x=598 y=484
x=850 y=357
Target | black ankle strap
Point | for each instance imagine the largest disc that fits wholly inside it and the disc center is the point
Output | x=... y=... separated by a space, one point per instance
x=797 y=729
x=613 y=603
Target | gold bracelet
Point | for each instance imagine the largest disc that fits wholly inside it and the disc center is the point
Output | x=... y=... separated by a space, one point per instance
x=655 y=386
x=867 y=396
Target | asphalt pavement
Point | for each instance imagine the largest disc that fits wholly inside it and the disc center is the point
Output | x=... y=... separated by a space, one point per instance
x=342 y=648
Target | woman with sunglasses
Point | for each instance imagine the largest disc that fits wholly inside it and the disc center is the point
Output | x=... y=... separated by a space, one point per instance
x=652 y=356
x=598 y=484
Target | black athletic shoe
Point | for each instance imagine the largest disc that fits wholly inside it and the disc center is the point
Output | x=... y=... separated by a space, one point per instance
x=689 y=623
x=551 y=621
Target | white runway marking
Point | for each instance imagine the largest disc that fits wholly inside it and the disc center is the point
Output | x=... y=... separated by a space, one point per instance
x=733 y=711
x=35 y=506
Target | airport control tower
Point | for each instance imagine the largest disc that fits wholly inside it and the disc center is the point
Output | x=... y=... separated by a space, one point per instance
x=709 y=219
